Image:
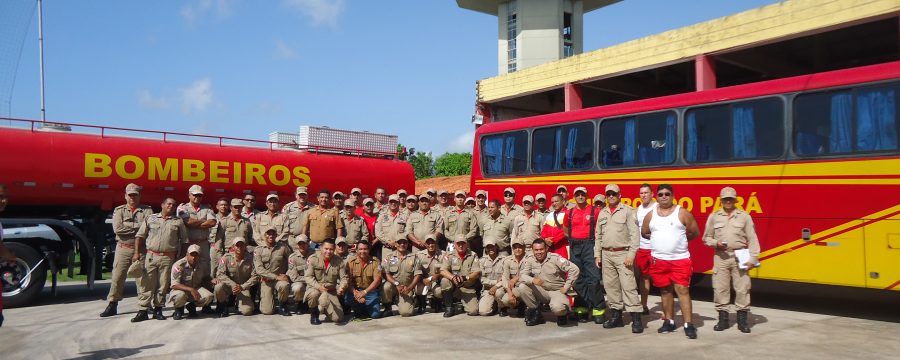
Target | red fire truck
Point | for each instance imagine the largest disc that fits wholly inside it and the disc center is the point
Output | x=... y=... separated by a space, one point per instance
x=62 y=185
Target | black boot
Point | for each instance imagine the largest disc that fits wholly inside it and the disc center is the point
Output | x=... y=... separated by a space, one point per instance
x=420 y=304
x=503 y=312
x=637 y=326
x=520 y=309
x=157 y=313
x=449 y=310
x=191 y=309
x=302 y=308
x=314 y=316
x=433 y=303
x=283 y=310
x=742 y=321
x=111 y=309
x=562 y=320
x=388 y=310
x=208 y=310
x=531 y=317
x=222 y=309
x=141 y=316
x=178 y=314
x=723 y=321
x=614 y=320
x=690 y=331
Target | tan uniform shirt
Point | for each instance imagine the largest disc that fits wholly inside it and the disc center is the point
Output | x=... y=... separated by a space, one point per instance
x=555 y=270
x=511 y=211
x=402 y=267
x=191 y=276
x=512 y=268
x=230 y=229
x=127 y=222
x=491 y=271
x=423 y=224
x=617 y=230
x=271 y=261
x=460 y=222
x=355 y=229
x=363 y=274
x=323 y=224
x=163 y=235
x=431 y=265
x=264 y=220
x=317 y=274
x=499 y=228
x=215 y=231
x=297 y=267
x=232 y=272
x=461 y=267
x=187 y=211
x=296 y=216
x=389 y=227
x=527 y=228
x=737 y=231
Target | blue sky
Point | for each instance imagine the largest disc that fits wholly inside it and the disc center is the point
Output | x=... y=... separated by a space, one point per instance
x=246 y=68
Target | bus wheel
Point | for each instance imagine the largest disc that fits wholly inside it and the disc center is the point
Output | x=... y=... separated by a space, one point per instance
x=19 y=290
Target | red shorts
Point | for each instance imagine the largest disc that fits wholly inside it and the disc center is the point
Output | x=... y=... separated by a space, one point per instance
x=665 y=272
x=642 y=260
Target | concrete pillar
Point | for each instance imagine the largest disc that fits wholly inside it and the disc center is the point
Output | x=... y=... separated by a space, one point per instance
x=705 y=72
x=573 y=99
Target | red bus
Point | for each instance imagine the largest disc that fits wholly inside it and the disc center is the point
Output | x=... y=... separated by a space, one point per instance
x=814 y=158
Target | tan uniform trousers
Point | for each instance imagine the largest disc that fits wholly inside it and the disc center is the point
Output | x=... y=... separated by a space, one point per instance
x=156 y=281
x=406 y=303
x=205 y=257
x=503 y=297
x=534 y=296
x=327 y=303
x=121 y=263
x=432 y=291
x=180 y=298
x=726 y=274
x=245 y=303
x=466 y=295
x=298 y=289
x=214 y=257
x=271 y=291
x=621 y=288
x=487 y=303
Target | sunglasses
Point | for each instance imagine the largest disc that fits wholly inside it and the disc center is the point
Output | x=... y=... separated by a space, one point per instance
x=665 y=194
x=611 y=193
x=508 y=194
x=250 y=200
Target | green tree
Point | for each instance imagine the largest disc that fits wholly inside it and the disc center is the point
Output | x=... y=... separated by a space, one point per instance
x=453 y=164
x=422 y=163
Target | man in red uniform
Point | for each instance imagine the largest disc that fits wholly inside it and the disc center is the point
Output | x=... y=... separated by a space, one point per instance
x=553 y=230
x=580 y=231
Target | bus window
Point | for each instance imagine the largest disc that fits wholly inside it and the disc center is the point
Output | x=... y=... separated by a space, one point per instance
x=563 y=148
x=646 y=139
x=737 y=131
x=846 y=121
x=504 y=153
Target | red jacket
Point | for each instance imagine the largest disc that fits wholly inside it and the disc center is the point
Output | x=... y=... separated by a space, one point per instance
x=555 y=229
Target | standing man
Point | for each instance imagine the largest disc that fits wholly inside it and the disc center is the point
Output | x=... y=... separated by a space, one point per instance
x=271 y=219
x=354 y=226
x=127 y=219
x=356 y=197
x=426 y=221
x=231 y=227
x=562 y=191
x=297 y=272
x=642 y=258
x=527 y=225
x=510 y=295
x=540 y=201
x=617 y=240
x=295 y=212
x=730 y=230
x=271 y=263
x=553 y=231
x=461 y=271
x=365 y=283
x=599 y=202
x=236 y=277
x=460 y=221
x=370 y=216
x=380 y=200
x=509 y=207
x=546 y=279
x=391 y=224
x=431 y=259
x=498 y=226
x=481 y=202
x=470 y=203
x=191 y=284
x=199 y=220
x=669 y=227
x=412 y=205
x=491 y=282
x=223 y=210
x=326 y=279
x=323 y=222
x=337 y=201
x=249 y=211
x=582 y=219
x=163 y=235
x=402 y=273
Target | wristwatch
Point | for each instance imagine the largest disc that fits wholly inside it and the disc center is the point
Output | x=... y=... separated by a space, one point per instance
x=396 y=283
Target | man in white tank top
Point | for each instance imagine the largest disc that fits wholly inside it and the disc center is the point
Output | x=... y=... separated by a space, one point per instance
x=642 y=259
x=669 y=227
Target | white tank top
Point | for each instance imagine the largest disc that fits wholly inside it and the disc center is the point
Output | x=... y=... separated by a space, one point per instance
x=668 y=240
x=641 y=214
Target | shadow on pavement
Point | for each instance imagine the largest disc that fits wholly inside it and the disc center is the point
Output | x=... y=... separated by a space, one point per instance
x=114 y=353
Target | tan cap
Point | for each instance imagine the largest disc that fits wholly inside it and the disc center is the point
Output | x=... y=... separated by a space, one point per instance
x=460 y=238
x=540 y=196
x=301 y=190
x=460 y=193
x=728 y=192
x=394 y=197
x=430 y=191
x=356 y=191
x=132 y=189
x=514 y=242
x=509 y=190
x=340 y=240
x=528 y=198
x=269 y=228
x=481 y=192
x=401 y=191
x=561 y=187
x=469 y=199
x=194 y=249
x=349 y=202
x=424 y=197
x=236 y=202
x=430 y=237
x=412 y=197
x=337 y=194
x=368 y=200
x=599 y=198
x=272 y=196
x=489 y=240
x=442 y=192
x=237 y=240
x=302 y=238
x=580 y=188
x=195 y=189
x=401 y=237
x=612 y=187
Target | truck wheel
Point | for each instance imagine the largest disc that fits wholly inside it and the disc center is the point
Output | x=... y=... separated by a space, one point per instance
x=18 y=290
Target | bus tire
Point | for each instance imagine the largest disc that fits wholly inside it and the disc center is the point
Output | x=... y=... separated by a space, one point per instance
x=26 y=258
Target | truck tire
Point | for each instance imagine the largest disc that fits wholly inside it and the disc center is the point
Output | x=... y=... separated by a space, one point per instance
x=15 y=292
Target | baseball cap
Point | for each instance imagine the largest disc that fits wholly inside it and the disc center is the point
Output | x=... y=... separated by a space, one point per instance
x=459 y=193
x=509 y=190
x=728 y=192
x=237 y=202
x=237 y=240
x=460 y=238
x=424 y=197
x=337 y=194
x=612 y=187
x=582 y=189
x=394 y=197
x=272 y=196
x=368 y=201
x=489 y=240
x=195 y=189
x=349 y=202
x=430 y=191
x=430 y=237
x=401 y=191
x=194 y=249
x=301 y=190
x=412 y=197
x=340 y=240
x=540 y=196
x=442 y=192
x=528 y=198
x=302 y=238
x=356 y=190
x=132 y=189
x=561 y=187
x=599 y=198
x=469 y=199
x=481 y=192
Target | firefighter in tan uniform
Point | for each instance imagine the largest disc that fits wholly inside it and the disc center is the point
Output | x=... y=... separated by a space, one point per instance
x=510 y=295
x=546 y=279
x=297 y=272
x=510 y=207
x=617 y=238
x=223 y=210
x=460 y=221
x=236 y=276
x=270 y=219
x=461 y=271
x=322 y=222
x=527 y=225
x=402 y=272
x=191 y=284
x=354 y=226
x=730 y=230
x=127 y=219
x=296 y=212
x=491 y=277
x=540 y=206
x=426 y=221
x=430 y=259
x=412 y=205
x=270 y=260
x=231 y=227
x=326 y=281
x=498 y=226
x=163 y=236
x=200 y=220
x=391 y=224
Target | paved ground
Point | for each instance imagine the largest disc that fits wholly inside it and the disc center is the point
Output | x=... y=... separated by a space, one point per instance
x=861 y=325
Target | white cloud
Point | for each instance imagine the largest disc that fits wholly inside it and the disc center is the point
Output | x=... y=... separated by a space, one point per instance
x=322 y=12
x=462 y=143
x=197 y=96
x=196 y=10
x=148 y=101
x=283 y=51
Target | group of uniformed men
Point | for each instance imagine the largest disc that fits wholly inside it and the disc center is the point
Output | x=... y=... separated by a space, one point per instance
x=355 y=253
